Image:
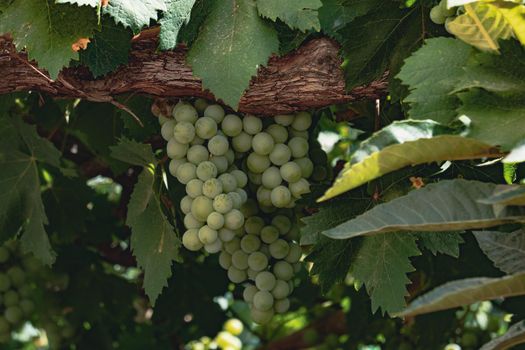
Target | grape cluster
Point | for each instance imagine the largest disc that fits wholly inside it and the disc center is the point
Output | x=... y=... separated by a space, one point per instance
x=440 y=12
x=243 y=176
x=227 y=339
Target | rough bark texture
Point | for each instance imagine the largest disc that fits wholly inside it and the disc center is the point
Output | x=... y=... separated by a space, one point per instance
x=310 y=77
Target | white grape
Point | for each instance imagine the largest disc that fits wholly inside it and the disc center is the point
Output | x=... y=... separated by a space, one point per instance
x=215 y=112
x=206 y=170
x=281 y=306
x=194 y=188
x=215 y=220
x=240 y=260
x=197 y=141
x=220 y=162
x=251 y=274
x=281 y=197
x=174 y=165
x=294 y=255
x=263 y=300
x=253 y=225
x=185 y=204
x=163 y=119
x=228 y=341
x=230 y=156
x=236 y=199
x=233 y=219
x=166 y=130
x=242 y=193
x=299 y=188
x=298 y=146
x=271 y=178
x=255 y=178
x=252 y=125
x=269 y=234
x=231 y=125
x=249 y=208
x=212 y=188
x=278 y=132
x=214 y=247
x=306 y=165
x=226 y=235
x=250 y=243
x=225 y=260
x=279 y=249
x=291 y=172
x=235 y=275
x=218 y=145
x=223 y=203
x=206 y=128
x=184 y=132
x=282 y=223
x=249 y=292
x=233 y=245
x=176 y=150
x=190 y=240
x=197 y=154
x=201 y=207
x=257 y=163
x=302 y=121
x=228 y=181
x=242 y=142
x=281 y=289
x=11 y=298
x=264 y=196
x=200 y=105
x=185 y=113
x=257 y=261
x=242 y=179
x=207 y=235
x=263 y=143
x=190 y=222
x=283 y=270
x=300 y=134
x=261 y=317
x=280 y=154
x=284 y=119
x=265 y=281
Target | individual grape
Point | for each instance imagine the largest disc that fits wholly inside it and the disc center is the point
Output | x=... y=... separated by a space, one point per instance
x=242 y=142
x=291 y=172
x=226 y=340
x=302 y=121
x=297 y=267
x=251 y=274
x=186 y=172
x=197 y=141
x=230 y=156
x=205 y=128
x=215 y=112
x=280 y=154
x=283 y=270
x=240 y=260
x=263 y=300
x=284 y=119
x=4 y=255
x=248 y=293
x=229 y=182
x=233 y=219
x=263 y=143
x=225 y=260
x=282 y=223
x=231 y=125
x=279 y=249
x=223 y=203
x=207 y=235
x=200 y=105
x=235 y=275
x=319 y=173
x=233 y=245
x=25 y=290
x=249 y=208
x=436 y=15
x=218 y=145
x=206 y=170
x=265 y=249
x=250 y=243
x=13 y=314
x=299 y=188
x=261 y=317
x=212 y=188
x=197 y=154
x=201 y=207
x=281 y=289
x=264 y=196
x=255 y=179
x=293 y=234
x=447 y=12
x=226 y=235
x=194 y=188
x=278 y=132
x=185 y=113
x=234 y=326
x=17 y=275
x=215 y=221
x=5 y=282
x=252 y=125
x=242 y=179
x=236 y=199
x=176 y=150
x=27 y=306
x=220 y=162
x=184 y=132
x=281 y=197
x=242 y=193
x=306 y=165
x=300 y=134
x=174 y=165
x=269 y=234
x=281 y=306
x=271 y=178
x=214 y=247
x=166 y=130
x=11 y=298
x=298 y=146
x=191 y=222
x=257 y=163
x=265 y=281
x=253 y=225
x=257 y=261
x=295 y=253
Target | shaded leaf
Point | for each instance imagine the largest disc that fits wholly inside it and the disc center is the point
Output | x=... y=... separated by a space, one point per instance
x=133 y=152
x=515 y=335
x=441 y=242
x=335 y=14
x=506 y=195
x=134 y=14
x=506 y=250
x=301 y=15
x=178 y=13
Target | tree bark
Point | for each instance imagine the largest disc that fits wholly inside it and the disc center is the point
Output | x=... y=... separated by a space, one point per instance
x=309 y=77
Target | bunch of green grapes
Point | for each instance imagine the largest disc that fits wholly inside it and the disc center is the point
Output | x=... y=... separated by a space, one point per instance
x=440 y=13
x=227 y=339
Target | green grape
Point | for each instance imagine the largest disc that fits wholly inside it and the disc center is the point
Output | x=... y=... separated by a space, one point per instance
x=251 y=274
x=436 y=15
x=212 y=188
x=261 y=317
x=265 y=249
x=27 y=306
x=214 y=247
x=249 y=208
x=242 y=142
x=242 y=179
x=253 y=225
x=250 y=243
x=4 y=256
x=206 y=170
x=265 y=281
x=174 y=165
x=11 y=298
x=226 y=235
x=299 y=147
x=228 y=341
x=282 y=223
x=201 y=207
x=235 y=275
x=176 y=150
x=223 y=203
x=319 y=173
x=452 y=347
x=306 y=165
x=295 y=253
x=215 y=112
x=234 y=326
x=25 y=290
x=281 y=306
x=284 y=119
x=291 y=172
x=264 y=196
x=279 y=249
x=230 y=156
x=281 y=197
x=185 y=112
x=200 y=105
x=233 y=219
x=242 y=193
x=197 y=154
x=281 y=289
x=4 y=325
x=233 y=245
x=271 y=178
x=299 y=188
x=255 y=179
x=269 y=234
x=215 y=221
x=225 y=260
x=186 y=172
x=197 y=141
x=257 y=261
x=257 y=163
x=184 y=132
x=5 y=282
x=240 y=260
x=447 y=12
x=283 y=270
x=194 y=188
x=278 y=132
x=220 y=162
x=280 y=154
x=207 y=235
x=263 y=300
x=296 y=133
x=302 y=121
x=236 y=199
x=163 y=119
x=263 y=143
x=469 y=340
x=166 y=130
x=190 y=240
x=231 y=125
x=252 y=125
x=248 y=293
x=191 y=222
x=229 y=182
x=218 y=145
x=13 y=314
x=205 y=128
x=293 y=234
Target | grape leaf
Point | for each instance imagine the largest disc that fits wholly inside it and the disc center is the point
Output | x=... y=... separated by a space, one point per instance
x=134 y=14
x=233 y=43
x=108 y=49
x=515 y=335
x=200 y=11
x=335 y=14
x=441 y=242
x=299 y=14
x=133 y=152
x=178 y=13
x=506 y=195
x=381 y=264
x=505 y=249
x=47 y=30
x=92 y=3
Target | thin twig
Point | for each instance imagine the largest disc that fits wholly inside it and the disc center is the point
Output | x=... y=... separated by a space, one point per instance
x=125 y=108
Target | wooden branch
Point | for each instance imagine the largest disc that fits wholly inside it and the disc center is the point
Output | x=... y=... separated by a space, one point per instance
x=310 y=77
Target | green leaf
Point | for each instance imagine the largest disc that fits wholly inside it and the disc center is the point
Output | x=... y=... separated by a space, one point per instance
x=431 y=73
x=441 y=242
x=506 y=195
x=134 y=14
x=515 y=335
x=449 y=205
x=200 y=11
x=233 y=43
x=133 y=152
x=404 y=144
x=335 y=14
x=381 y=264
x=178 y=13
x=47 y=30
x=108 y=49
x=514 y=15
x=299 y=14
x=464 y=292
x=92 y=3
x=517 y=154
x=506 y=250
